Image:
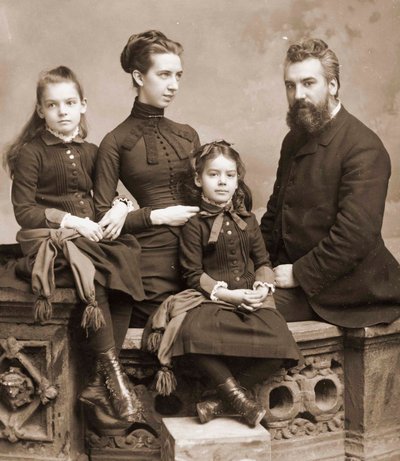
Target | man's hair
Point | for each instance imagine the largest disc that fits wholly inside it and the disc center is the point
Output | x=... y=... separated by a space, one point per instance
x=315 y=48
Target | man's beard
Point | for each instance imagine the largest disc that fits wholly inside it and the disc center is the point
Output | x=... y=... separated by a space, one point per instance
x=307 y=117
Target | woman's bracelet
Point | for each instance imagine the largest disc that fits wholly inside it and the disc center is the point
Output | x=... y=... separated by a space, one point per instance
x=123 y=199
x=259 y=283
x=213 y=295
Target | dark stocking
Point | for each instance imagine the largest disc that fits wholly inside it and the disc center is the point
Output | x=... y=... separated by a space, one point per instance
x=103 y=339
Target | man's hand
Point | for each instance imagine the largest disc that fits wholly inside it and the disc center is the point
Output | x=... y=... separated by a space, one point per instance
x=284 y=277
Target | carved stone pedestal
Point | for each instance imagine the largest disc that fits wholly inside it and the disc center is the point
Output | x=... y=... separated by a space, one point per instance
x=305 y=406
x=372 y=379
x=39 y=419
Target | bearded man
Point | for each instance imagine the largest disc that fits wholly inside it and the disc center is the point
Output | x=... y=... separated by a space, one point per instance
x=322 y=226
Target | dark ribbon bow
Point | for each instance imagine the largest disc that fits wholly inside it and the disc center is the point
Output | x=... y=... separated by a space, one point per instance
x=209 y=210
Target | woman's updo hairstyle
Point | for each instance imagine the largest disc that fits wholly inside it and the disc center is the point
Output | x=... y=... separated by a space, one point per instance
x=136 y=54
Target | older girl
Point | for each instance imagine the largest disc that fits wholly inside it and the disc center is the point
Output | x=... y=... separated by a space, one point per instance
x=148 y=152
x=51 y=166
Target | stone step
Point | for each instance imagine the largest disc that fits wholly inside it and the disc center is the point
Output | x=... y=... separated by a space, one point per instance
x=222 y=439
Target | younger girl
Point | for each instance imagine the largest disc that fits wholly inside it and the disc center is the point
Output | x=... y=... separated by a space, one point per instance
x=52 y=167
x=235 y=333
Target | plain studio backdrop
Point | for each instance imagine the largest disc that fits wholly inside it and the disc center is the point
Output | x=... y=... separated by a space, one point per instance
x=232 y=86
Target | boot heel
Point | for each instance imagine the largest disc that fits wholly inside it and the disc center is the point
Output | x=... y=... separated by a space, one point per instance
x=209 y=409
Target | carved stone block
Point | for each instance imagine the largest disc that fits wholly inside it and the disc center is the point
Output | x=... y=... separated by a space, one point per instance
x=372 y=379
x=222 y=439
x=304 y=407
x=39 y=378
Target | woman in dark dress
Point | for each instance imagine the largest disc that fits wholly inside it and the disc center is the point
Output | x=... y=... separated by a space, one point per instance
x=148 y=153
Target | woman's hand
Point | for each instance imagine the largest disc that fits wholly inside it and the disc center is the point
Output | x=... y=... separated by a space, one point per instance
x=243 y=298
x=85 y=226
x=113 y=221
x=176 y=215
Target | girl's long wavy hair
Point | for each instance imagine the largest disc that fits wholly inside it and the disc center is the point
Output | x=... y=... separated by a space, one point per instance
x=192 y=193
x=36 y=124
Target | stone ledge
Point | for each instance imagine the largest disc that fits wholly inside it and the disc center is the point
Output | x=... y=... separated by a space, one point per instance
x=61 y=296
x=302 y=331
x=313 y=330
x=375 y=331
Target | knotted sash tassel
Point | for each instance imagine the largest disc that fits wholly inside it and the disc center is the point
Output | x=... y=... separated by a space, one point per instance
x=165 y=381
x=154 y=340
x=92 y=317
x=42 y=309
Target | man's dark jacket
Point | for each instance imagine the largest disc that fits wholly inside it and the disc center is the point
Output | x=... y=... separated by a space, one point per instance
x=325 y=217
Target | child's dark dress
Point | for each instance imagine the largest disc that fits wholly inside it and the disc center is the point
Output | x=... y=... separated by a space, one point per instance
x=53 y=178
x=239 y=258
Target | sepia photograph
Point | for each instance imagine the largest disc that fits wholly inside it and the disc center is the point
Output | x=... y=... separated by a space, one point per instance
x=200 y=230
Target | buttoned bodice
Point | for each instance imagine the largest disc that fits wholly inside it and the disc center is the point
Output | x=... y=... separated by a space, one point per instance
x=52 y=178
x=148 y=153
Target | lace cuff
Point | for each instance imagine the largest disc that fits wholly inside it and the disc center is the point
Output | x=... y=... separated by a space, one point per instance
x=270 y=286
x=213 y=296
x=123 y=199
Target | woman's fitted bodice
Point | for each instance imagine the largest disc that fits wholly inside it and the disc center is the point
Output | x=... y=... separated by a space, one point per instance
x=148 y=153
x=153 y=185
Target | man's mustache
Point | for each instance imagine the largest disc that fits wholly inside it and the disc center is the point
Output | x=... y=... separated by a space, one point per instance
x=301 y=104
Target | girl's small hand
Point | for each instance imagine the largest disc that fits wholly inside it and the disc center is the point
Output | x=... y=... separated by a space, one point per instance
x=113 y=221
x=263 y=291
x=248 y=299
x=176 y=215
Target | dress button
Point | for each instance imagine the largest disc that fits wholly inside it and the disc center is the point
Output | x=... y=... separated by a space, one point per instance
x=74 y=173
x=233 y=252
x=71 y=157
x=235 y=271
x=166 y=153
x=68 y=151
x=77 y=194
x=164 y=147
x=74 y=164
x=237 y=278
x=229 y=232
x=235 y=261
x=81 y=202
x=227 y=223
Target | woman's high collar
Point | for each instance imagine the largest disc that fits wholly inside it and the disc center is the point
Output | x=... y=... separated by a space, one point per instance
x=141 y=110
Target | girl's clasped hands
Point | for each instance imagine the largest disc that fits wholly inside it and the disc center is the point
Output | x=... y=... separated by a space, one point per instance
x=244 y=299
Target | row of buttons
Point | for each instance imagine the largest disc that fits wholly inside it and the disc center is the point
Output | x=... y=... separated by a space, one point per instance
x=172 y=181
x=232 y=251
x=75 y=173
